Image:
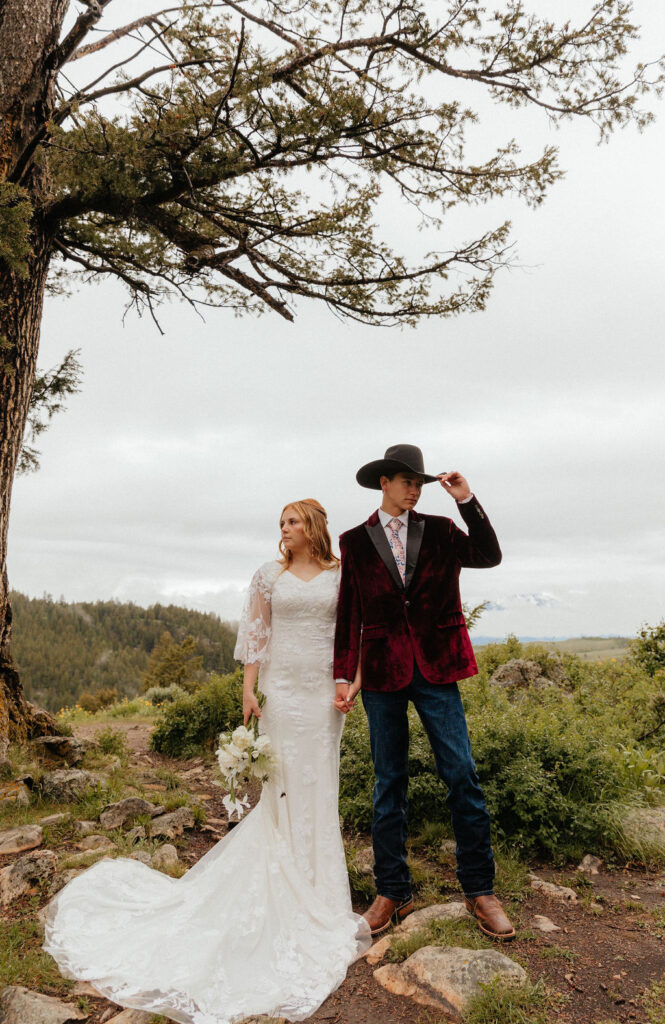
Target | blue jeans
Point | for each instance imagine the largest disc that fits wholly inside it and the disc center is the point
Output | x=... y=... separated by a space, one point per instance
x=441 y=712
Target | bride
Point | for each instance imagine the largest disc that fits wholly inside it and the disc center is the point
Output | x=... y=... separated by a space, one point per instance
x=262 y=924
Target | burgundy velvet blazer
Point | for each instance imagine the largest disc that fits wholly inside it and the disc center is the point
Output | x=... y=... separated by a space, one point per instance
x=389 y=624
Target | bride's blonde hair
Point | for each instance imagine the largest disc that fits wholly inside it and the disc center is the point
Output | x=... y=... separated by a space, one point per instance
x=315 y=528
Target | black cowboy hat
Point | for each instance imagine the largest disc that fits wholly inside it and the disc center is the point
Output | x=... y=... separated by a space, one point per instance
x=401 y=458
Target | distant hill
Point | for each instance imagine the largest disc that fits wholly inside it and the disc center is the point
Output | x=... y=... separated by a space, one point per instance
x=63 y=649
x=589 y=648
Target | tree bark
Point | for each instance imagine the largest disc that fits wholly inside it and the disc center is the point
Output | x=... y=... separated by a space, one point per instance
x=29 y=32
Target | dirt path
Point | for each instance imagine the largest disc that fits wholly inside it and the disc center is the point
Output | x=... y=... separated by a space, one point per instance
x=610 y=949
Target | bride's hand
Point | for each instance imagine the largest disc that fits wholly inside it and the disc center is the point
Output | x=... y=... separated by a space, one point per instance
x=250 y=706
x=340 y=701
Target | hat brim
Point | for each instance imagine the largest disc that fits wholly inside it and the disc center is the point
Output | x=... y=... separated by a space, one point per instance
x=370 y=474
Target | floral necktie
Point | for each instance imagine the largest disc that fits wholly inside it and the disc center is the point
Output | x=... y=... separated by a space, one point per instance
x=397 y=546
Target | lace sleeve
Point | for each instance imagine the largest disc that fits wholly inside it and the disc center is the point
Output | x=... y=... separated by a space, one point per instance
x=253 y=642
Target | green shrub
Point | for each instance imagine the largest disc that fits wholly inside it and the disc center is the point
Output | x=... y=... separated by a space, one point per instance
x=191 y=724
x=164 y=694
x=112 y=741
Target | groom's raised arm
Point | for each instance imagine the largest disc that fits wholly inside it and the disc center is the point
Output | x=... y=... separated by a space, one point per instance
x=349 y=619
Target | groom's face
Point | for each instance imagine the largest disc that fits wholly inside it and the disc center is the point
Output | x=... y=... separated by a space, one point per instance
x=403 y=490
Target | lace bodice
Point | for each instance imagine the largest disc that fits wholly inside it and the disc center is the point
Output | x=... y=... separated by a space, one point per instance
x=286 y=617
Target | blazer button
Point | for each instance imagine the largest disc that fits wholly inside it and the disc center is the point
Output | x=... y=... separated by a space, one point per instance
x=407 y=604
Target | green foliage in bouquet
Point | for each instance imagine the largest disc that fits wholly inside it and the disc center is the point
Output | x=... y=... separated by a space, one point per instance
x=193 y=722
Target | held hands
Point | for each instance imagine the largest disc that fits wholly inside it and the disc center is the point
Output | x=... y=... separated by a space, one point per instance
x=345 y=695
x=250 y=706
x=455 y=484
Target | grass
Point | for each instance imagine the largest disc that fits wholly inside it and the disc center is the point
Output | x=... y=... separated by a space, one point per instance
x=112 y=741
x=653 y=1001
x=464 y=933
x=24 y=962
x=555 y=952
x=499 y=1003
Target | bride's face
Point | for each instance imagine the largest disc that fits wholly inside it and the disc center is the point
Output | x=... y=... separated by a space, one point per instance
x=293 y=531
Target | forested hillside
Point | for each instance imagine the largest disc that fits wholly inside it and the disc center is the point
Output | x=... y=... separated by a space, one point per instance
x=63 y=649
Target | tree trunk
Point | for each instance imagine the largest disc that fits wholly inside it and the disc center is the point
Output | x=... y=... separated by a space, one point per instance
x=29 y=32
x=21 y=304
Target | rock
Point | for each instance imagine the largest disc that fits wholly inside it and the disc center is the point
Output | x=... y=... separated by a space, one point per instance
x=55 y=819
x=447 y=976
x=136 y=834
x=83 y=858
x=60 y=749
x=522 y=674
x=437 y=912
x=378 y=950
x=14 y=794
x=172 y=824
x=589 y=864
x=5 y=768
x=83 y=988
x=67 y=785
x=42 y=722
x=364 y=861
x=19 y=1005
x=543 y=924
x=647 y=825
x=448 y=848
x=136 y=1017
x=117 y=815
x=143 y=856
x=165 y=857
x=61 y=879
x=16 y=840
x=556 y=892
x=25 y=872
x=85 y=828
x=96 y=843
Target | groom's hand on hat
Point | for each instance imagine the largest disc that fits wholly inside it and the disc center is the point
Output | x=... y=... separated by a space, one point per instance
x=455 y=484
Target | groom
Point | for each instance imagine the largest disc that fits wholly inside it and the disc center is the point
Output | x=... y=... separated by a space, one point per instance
x=401 y=635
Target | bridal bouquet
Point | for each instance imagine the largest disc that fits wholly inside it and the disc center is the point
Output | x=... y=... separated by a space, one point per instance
x=243 y=755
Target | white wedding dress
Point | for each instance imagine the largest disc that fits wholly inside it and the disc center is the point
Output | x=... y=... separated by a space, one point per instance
x=262 y=924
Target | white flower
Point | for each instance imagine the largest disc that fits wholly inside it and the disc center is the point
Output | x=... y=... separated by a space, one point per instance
x=237 y=806
x=243 y=737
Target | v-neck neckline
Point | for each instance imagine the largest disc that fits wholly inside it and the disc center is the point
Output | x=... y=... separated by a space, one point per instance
x=311 y=580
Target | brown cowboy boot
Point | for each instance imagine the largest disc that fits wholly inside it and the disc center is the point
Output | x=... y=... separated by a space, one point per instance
x=490 y=916
x=385 y=912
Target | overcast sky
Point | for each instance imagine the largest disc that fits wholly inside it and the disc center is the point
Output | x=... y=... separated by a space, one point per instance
x=165 y=479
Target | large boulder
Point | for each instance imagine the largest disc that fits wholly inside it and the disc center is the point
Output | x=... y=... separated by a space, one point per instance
x=17 y=840
x=60 y=749
x=447 y=977
x=29 y=870
x=68 y=785
x=19 y=1005
x=523 y=674
x=127 y=811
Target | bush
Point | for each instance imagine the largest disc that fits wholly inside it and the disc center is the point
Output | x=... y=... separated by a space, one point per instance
x=192 y=723
x=112 y=741
x=101 y=698
x=164 y=694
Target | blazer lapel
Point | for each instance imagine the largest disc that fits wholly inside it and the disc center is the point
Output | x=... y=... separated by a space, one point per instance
x=377 y=535
x=413 y=543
